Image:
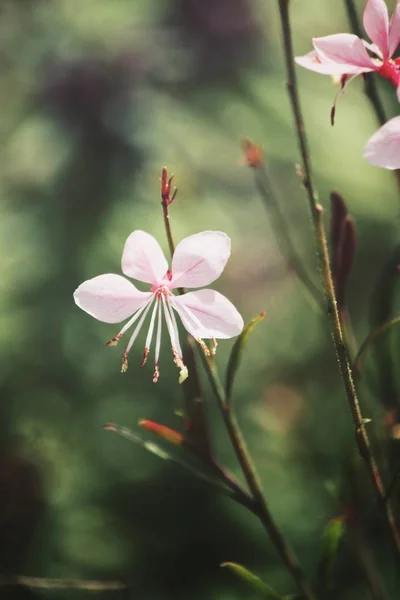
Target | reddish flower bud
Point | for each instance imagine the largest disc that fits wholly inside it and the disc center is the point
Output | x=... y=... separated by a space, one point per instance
x=343 y=246
x=253 y=153
x=162 y=431
x=166 y=183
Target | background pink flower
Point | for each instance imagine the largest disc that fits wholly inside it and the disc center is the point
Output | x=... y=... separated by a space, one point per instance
x=383 y=148
x=347 y=54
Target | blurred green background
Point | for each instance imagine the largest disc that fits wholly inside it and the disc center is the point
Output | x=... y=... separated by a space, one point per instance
x=96 y=96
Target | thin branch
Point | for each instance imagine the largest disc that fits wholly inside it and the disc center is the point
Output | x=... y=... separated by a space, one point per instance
x=316 y=210
x=197 y=430
x=372 y=336
x=61 y=584
x=249 y=471
x=361 y=543
x=192 y=392
x=271 y=201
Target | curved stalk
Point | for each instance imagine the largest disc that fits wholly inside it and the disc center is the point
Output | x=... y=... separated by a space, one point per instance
x=372 y=336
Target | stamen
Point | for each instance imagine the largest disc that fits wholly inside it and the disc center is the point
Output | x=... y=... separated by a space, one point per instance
x=176 y=330
x=184 y=373
x=149 y=337
x=345 y=81
x=203 y=346
x=114 y=341
x=158 y=336
x=192 y=317
x=124 y=366
x=214 y=345
x=139 y=326
x=156 y=374
x=176 y=358
x=168 y=322
x=145 y=355
x=175 y=345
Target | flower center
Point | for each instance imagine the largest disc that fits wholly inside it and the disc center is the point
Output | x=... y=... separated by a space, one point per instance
x=390 y=71
x=160 y=291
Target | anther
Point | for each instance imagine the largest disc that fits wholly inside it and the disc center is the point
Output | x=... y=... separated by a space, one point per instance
x=176 y=358
x=114 y=341
x=184 y=373
x=124 y=366
x=203 y=346
x=145 y=355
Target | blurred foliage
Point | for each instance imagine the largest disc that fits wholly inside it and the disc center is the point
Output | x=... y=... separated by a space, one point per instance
x=96 y=96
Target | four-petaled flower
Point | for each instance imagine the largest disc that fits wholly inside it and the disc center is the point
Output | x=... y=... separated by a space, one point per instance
x=345 y=54
x=206 y=314
x=383 y=148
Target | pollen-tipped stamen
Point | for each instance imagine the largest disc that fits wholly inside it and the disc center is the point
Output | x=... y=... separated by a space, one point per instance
x=124 y=366
x=158 y=343
x=214 y=345
x=176 y=335
x=192 y=317
x=114 y=341
x=173 y=334
x=145 y=355
x=203 y=346
x=139 y=326
x=149 y=337
x=345 y=81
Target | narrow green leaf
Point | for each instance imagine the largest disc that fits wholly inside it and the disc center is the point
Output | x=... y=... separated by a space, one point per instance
x=332 y=537
x=237 y=353
x=253 y=581
x=138 y=439
x=198 y=469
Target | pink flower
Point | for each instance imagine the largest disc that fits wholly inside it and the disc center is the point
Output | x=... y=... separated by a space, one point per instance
x=345 y=54
x=198 y=261
x=383 y=148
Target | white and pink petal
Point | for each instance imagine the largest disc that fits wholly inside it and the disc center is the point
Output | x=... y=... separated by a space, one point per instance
x=383 y=148
x=110 y=298
x=200 y=259
x=208 y=314
x=312 y=62
x=394 y=30
x=346 y=50
x=143 y=259
x=376 y=24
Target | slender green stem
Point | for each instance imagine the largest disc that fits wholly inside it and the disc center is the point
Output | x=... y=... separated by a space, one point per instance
x=372 y=336
x=238 y=493
x=249 y=471
x=260 y=506
x=272 y=203
x=197 y=430
x=167 y=225
x=332 y=308
x=359 y=539
x=199 y=444
x=392 y=484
